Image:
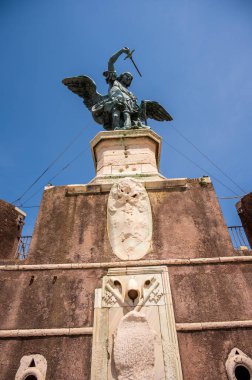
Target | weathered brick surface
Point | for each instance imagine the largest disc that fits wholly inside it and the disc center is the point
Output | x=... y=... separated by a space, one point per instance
x=244 y=208
x=187 y=223
x=48 y=299
x=203 y=354
x=73 y=228
x=67 y=357
x=10 y=231
x=208 y=293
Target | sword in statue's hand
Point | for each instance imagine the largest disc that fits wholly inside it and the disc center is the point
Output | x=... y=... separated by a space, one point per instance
x=129 y=55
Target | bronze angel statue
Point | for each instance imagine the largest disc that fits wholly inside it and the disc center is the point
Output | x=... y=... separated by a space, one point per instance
x=119 y=108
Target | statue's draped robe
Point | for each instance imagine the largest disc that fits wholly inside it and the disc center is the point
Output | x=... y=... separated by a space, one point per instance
x=119 y=97
x=125 y=99
x=118 y=101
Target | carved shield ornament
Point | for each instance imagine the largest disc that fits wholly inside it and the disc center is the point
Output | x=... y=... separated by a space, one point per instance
x=129 y=220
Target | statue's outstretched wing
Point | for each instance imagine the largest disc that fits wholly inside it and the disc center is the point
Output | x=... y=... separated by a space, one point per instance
x=85 y=87
x=153 y=110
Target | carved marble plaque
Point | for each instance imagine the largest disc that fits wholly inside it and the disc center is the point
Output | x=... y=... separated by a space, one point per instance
x=129 y=220
x=134 y=328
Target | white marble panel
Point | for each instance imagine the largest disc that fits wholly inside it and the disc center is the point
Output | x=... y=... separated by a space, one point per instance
x=129 y=219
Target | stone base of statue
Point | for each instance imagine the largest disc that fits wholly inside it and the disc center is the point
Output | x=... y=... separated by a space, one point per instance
x=124 y=153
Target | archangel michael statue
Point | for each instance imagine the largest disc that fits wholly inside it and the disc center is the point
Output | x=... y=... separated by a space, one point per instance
x=118 y=109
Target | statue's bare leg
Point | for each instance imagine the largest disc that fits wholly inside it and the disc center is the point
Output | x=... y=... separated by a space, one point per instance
x=116 y=119
x=127 y=120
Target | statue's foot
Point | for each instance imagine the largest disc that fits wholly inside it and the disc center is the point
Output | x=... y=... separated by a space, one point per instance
x=122 y=128
x=139 y=125
x=134 y=125
x=145 y=126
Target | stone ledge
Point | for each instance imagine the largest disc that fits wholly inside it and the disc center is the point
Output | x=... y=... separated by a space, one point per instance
x=123 y=264
x=180 y=327
x=161 y=184
x=46 y=332
x=203 y=326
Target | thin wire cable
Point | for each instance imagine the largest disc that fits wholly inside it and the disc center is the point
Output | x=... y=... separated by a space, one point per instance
x=49 y=167
x=78 y=155
x=234 y=237
x=235 y=197
x=199 y=167
x=30 y=206
x=52 y=178
x=208 y=159
x=243 y=242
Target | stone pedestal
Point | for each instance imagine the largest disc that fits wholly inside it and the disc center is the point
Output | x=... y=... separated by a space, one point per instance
x=134 y=153
x=133 y=271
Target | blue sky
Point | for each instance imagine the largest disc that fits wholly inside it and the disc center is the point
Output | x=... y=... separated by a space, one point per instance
x=196 y=60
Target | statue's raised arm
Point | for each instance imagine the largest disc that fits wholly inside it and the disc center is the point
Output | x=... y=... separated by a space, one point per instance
x=111 y=74
x=115 y=57
x=118 y=109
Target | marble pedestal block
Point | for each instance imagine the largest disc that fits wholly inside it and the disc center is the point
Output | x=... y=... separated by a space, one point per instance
x=134 y=153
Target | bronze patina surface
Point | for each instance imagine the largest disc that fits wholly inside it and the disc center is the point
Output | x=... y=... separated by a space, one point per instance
x=118 y=109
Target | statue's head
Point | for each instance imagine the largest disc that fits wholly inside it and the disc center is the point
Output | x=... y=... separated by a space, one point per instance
x=125 y=79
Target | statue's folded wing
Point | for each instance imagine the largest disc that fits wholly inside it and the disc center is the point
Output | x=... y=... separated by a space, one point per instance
x=154 y=110
x=85 y=87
